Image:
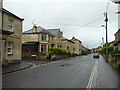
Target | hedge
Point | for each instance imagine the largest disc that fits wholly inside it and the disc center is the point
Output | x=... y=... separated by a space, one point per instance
x=58 y=51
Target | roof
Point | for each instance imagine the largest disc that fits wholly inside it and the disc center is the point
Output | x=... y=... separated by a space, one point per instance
x=39 y=28
x=46 y=32
x=63 y=38
x=11 y=14
x=53 y=32
x=73 y=38
x=117 y=31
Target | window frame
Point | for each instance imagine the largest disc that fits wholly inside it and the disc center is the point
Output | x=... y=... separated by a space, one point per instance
x=44 y=48
x=10 y=47
x=10 y=25
x=44 y=36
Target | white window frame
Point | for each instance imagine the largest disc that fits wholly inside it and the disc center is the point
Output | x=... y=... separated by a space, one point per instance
x=10 y=47
x=10 y=25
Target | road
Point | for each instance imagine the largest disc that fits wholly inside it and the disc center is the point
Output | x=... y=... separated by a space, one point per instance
x=75 y=72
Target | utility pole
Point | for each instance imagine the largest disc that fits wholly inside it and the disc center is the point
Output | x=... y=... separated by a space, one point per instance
x=102 y=41
x=106 y=20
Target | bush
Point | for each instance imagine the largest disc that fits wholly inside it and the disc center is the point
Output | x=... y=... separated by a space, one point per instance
x=73 y=54
x=110 y=50
x=58 y=51
x=115 y=52
x=84 y=52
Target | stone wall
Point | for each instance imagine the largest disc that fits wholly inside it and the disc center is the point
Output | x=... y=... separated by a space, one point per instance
x=114 y=60
x=57 y=57
x=29 y=38
x=33 y=56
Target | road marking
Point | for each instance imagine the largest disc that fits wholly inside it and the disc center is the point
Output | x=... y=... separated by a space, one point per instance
x=33 y=66
x=92 y=76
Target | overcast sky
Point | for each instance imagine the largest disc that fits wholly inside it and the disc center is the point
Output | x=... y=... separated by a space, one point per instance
x=78 y=18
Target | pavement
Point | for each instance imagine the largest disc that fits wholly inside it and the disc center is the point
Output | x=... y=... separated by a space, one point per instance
x=16 y=67
x=25 y=64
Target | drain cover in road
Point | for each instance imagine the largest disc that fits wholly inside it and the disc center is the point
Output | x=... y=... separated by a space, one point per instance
x=67 y=65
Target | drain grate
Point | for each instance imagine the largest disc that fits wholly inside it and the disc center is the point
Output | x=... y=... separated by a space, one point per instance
x=68 y=64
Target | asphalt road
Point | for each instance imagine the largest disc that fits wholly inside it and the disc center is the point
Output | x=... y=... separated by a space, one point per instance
x=75 y=72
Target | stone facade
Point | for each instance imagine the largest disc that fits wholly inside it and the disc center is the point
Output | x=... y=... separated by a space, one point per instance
x=68 y=45
x=117 y=40
x=78 y=47
x=46 y=38
x=11 y=36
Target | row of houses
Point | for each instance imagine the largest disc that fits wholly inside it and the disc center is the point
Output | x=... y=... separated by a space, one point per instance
x=115 y=43
x=117 y=40
x=37 y=39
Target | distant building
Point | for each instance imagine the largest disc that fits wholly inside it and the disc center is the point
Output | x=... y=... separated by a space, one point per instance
x=117 y=40
x=78 y=47
x=67 y=44
x=11 y=36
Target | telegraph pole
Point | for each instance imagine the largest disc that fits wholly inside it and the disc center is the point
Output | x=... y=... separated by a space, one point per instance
x=106 y=20
x=102 y=41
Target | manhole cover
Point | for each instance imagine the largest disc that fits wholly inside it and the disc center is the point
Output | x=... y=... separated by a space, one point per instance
x=68 y=64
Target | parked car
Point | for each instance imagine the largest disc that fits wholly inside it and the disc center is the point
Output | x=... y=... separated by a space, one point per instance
x=96 y=56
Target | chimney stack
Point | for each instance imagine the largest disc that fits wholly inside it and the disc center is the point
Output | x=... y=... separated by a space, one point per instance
x=34 y=29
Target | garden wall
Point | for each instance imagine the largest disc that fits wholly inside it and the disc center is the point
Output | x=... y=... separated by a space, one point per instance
x=33 y=56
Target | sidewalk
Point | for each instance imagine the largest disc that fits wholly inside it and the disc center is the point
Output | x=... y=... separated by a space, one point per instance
x=15 y=67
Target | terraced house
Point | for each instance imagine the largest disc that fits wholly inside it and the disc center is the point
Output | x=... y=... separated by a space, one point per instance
x=78 y=47
x=11 y=36
x=39 y=39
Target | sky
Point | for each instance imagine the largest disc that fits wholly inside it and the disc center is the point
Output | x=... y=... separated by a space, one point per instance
x=79 y=18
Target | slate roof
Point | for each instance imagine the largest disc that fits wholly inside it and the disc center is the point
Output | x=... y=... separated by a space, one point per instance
x=39 y=28
x=53 y=32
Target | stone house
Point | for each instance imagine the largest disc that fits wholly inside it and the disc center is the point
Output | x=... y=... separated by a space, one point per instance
x=42 y=38
x=11 y=36
x=117 y=40
x=78 y=47
x=67 y=44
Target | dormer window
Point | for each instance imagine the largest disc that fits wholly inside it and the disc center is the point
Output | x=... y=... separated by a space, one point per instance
x=10 y=25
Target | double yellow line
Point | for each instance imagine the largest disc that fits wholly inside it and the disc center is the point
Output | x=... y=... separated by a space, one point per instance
x=92 y=77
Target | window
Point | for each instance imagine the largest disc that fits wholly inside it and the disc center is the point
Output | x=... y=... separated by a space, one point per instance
x=49 y=38
x=10 y=47
x=44 y=37
x=43 y=48
x=10 y=25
